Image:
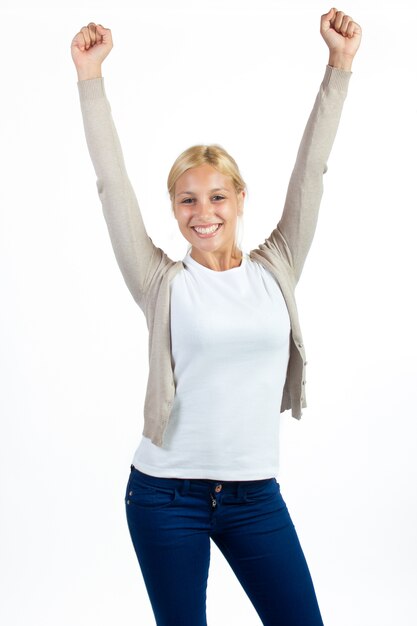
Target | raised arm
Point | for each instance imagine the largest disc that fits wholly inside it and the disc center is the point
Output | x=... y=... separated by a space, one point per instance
x=295 y=231
x=135 y=252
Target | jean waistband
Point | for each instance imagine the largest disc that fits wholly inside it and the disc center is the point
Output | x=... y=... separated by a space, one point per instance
x=200 y=484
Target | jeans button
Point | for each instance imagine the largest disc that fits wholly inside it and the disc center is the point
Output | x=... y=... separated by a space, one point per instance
x=218 y=488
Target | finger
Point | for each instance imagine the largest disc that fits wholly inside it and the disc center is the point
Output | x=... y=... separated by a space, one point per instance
x=330 y=14
x=78 y=41
x=351 y=29
x=345 y=23
x=92 y=31
x=337 y=22
x=327 y=17
x=101 y=32
x=86 y=35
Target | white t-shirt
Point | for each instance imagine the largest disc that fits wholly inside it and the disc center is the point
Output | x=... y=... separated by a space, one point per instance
x=230 y=334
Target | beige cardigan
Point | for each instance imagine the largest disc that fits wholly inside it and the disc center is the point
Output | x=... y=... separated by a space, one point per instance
x=148 y=271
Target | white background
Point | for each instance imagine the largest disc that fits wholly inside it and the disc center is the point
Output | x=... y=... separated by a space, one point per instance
x=74 y=343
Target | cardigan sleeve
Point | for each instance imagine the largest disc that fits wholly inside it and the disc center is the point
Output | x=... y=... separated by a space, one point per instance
x=136 y=254
x=294 y=233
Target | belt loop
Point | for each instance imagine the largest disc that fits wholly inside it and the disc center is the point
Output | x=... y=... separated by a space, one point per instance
x=185 y=488
x=131 y=467
x=241 y=490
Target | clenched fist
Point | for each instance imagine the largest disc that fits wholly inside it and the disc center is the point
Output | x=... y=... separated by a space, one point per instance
x=342 y=36
x=89 y=48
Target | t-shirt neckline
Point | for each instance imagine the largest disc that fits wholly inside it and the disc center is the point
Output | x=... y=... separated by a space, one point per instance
x=188 y=260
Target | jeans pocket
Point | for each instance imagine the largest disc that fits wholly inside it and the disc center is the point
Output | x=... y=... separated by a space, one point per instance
x=266 y=488
x=140 y=494
x=264 y=491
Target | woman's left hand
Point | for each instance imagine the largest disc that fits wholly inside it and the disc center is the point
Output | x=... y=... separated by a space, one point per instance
x=342 y=36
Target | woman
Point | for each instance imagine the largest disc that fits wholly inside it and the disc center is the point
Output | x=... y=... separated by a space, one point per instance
x=225 y=355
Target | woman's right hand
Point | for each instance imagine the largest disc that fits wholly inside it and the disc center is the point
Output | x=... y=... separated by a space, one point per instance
x=89 y=48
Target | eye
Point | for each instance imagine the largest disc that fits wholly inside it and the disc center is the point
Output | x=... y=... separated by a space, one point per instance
x=189 y=200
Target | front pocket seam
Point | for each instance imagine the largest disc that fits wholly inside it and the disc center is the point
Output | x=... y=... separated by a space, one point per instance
x=153 y=498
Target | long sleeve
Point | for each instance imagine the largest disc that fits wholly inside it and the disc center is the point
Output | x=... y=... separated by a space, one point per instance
x=294 y=233
x=135 y=252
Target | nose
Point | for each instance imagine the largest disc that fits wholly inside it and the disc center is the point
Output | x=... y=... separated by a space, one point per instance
x=204 y=208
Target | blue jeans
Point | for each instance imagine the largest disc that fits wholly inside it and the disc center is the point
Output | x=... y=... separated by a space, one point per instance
x=171 y=522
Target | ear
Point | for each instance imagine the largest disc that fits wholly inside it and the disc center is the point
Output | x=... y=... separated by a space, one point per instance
x=240 y=201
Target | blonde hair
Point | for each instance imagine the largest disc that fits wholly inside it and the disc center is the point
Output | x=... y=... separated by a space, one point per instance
x=213 y=155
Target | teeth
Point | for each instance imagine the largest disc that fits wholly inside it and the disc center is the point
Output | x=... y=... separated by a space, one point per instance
x=206 y=230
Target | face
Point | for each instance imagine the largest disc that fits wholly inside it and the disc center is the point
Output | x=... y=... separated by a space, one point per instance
x=206 y=207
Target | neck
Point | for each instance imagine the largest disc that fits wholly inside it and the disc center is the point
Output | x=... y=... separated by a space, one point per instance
x=218 y=261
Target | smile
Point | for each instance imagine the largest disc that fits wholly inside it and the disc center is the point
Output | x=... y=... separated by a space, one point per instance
x=206 y=231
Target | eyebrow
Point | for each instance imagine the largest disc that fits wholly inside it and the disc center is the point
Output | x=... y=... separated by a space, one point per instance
x=211 y=191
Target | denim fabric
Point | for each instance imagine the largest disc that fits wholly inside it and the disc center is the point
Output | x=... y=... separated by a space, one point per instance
x=171 y=522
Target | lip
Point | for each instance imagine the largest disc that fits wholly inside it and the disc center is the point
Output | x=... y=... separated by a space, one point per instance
x=207 y=235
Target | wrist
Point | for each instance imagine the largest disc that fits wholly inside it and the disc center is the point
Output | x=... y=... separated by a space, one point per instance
x=340 y=61
x=89 y=72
